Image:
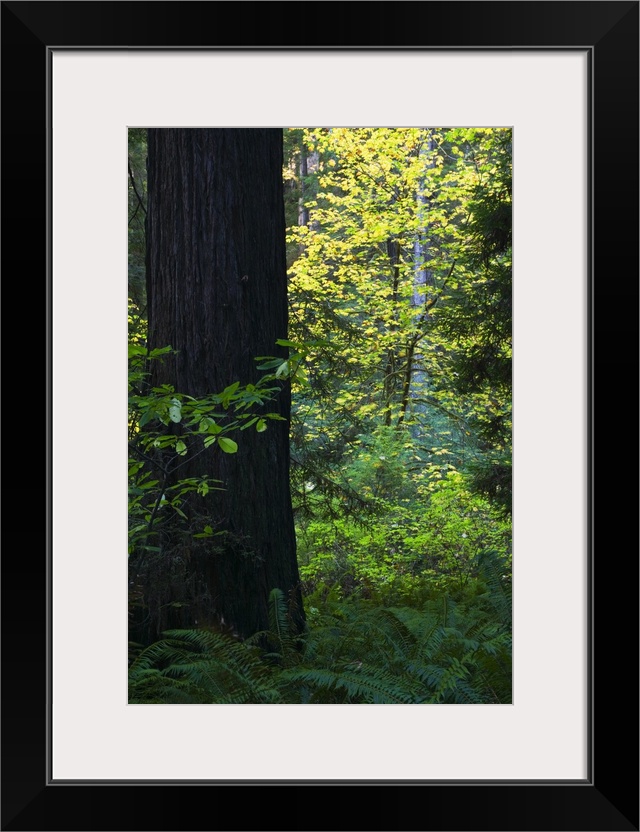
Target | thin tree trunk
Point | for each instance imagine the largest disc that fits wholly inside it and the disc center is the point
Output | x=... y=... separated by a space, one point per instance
x=303 y=212
x=422 y=280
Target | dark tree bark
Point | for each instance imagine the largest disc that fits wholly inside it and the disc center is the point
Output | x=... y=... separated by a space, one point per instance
x=217 y=293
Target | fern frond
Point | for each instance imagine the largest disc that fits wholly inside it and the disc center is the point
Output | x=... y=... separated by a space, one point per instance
x=366 y=684
x=492 y=569
x=281 y=644
x=385 y=624
x=217 y=668
x=278 y=619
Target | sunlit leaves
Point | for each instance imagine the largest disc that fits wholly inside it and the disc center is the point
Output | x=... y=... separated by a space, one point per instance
x=227 y=445
x=166 y=427
x=387 y=255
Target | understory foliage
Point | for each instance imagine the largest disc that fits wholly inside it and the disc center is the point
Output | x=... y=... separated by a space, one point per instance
x=450 y=649
x=399 y=363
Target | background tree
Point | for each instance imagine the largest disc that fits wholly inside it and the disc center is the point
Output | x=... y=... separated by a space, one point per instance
x=473 y=323
x=137 y=187
x=217 y=294
x=402 y=282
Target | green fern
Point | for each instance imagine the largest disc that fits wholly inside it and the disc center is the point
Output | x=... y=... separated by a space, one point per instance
x=281 y=643
x=208 y=667
x=449 y=651
x=356 y=683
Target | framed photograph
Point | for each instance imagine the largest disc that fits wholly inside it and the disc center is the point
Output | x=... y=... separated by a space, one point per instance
x=563 y=77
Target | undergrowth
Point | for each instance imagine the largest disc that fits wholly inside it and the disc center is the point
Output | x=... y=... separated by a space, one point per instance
x=451 y=649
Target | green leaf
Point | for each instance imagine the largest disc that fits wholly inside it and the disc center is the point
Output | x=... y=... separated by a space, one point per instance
x=208 y=532
x=175 y=410
x=181 y=448
x=160 y=351
x=227 y=445
x=269 y=365
x=231 y=389
x=261 y=426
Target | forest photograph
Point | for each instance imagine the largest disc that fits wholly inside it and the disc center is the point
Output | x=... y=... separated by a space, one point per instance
x=319 y=415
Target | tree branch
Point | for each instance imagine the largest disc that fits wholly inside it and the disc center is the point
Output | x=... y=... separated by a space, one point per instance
x=135 y=190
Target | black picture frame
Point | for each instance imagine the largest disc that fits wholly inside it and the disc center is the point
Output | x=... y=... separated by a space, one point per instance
x=608 y=798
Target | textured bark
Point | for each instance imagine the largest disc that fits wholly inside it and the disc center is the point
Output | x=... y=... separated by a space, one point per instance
x=217 y=293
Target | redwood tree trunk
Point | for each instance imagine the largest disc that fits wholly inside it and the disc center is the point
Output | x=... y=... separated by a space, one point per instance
x=217 y=293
